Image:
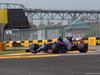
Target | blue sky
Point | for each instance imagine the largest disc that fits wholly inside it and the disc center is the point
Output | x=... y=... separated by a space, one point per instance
x=58 y=4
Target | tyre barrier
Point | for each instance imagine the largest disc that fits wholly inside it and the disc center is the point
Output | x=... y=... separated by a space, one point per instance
x=2 y=46
x=89 y=41
x=27 y=43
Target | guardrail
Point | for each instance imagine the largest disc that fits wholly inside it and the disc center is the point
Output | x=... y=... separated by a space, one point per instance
x=89 y=41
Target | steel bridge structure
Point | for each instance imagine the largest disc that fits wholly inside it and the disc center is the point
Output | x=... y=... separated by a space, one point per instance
x=43 y=14
x=11 y=6
x=39 y=14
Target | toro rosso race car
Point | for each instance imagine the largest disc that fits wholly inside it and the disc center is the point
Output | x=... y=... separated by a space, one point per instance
x=60 y=46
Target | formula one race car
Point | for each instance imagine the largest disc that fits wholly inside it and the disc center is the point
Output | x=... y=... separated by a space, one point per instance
x=60 y=46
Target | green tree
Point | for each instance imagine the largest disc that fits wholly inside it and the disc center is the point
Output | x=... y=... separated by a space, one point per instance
x=48 y=23
x=83 y=18
x=33 y=26
x=41 y=25
x=58 y=24
x=52 y=23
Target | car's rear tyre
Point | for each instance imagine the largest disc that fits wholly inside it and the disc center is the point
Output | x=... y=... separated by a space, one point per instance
x=34 y=47
x=83 y=47
x=55 y=48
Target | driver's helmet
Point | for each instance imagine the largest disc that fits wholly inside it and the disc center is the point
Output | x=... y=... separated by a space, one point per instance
x=60 y=39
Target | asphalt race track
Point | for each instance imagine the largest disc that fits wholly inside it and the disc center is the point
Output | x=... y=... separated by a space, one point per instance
x=59 y=64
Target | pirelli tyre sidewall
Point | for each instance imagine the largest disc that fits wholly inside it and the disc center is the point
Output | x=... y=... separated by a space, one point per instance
x=83 y=47
x=55 y=48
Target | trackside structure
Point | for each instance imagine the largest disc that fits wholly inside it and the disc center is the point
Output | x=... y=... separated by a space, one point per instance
x=14 y=25
x=78 y=29
x=3 y=22
x=12 y=19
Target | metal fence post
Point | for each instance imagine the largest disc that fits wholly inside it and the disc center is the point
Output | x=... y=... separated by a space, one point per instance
x=45 y=33
x=63 y=31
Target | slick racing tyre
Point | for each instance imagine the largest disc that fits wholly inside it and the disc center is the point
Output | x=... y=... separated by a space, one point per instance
x=55 y=48
x=83 y=47
x=34 y=47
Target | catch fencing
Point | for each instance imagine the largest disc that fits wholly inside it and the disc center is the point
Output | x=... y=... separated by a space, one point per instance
x=75 y=30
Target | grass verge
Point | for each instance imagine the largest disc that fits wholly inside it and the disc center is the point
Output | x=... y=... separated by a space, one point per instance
x=11 y=51
x=92 y=49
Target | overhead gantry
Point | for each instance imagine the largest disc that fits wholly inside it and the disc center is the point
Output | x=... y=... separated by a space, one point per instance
x=46 y=14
